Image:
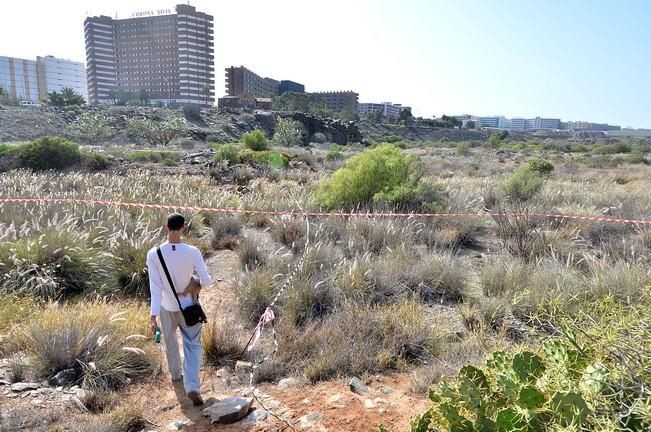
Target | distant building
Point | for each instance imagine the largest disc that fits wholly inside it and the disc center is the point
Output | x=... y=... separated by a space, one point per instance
x=54 y=74
x=19 y=79
x=240 y=80
x=545 y=123
x=244 y=101
x=290 y=86
x=338 y=100
x=592 y=127
x=386 y=109
x=30 y=80
x=168 y=55
x=498 y=122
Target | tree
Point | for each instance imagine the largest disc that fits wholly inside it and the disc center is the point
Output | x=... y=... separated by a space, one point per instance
x=320 y=109
x=288 y=133
x=470 y=124
x=450 y=121
x=67 y=97
x=143 y=96
x=406 y=117
x=91 y=128
x=292 y=101
x=155 y=132
x=374 y=116
x=347 y=114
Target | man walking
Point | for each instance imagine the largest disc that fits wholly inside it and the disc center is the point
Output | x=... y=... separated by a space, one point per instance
x=182 y=261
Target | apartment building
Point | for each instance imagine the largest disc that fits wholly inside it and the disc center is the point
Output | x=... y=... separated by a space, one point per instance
x=54 y=74
x=386 y=109
x=338 y=100
x=168 y=55
x=19 y=79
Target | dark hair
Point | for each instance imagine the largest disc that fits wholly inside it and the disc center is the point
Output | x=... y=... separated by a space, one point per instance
x=175 y=222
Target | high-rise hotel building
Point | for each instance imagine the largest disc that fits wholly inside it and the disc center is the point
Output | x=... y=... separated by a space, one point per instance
x=168 y=55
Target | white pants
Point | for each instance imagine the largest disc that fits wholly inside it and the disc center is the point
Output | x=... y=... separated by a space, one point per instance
x=170 y=321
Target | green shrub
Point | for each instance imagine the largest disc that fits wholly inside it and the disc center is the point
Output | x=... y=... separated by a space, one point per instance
x=335 y=153
x=609 y=149
x=97 y=161
x=229 y=153
x=319 y=137
x=636 y=158
x=384 y=174
x=522 y=185
x=274 y=159
x=50 y=153
x=463 y=149
x=255 y=140
x=473 y=166
x=390 y=139
x=155 y=132
x=153 y=156
x=91 y=128
x=541 y=166
x=288 y=133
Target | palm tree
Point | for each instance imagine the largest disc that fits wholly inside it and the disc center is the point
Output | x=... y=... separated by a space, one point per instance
x=71 y=97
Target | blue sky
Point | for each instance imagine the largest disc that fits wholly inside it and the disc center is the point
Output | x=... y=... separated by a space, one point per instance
x=573 y=59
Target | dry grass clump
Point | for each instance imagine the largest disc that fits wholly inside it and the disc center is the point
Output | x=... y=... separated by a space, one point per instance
x=98 y=340
x=255 y=290
x=260 y=221
x=504 y=277
x=226 y=232
x=222 y=343
x=290 y=232
x=249 y=255
x=124 y=418
x=368 y=235
x=359 y=339
x=100 y=401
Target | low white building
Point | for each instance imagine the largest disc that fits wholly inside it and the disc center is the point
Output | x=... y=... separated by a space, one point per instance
x=54 y=74
x=387 y=109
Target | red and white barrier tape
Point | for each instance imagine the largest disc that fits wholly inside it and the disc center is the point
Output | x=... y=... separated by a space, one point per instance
x=317 y=213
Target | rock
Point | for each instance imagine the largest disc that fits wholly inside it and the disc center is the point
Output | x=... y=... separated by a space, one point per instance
x=358 y=387
x=176 y=425
x=229 y=410
x=369 y=404
x=308 y=420
x=222 y=373
x=256 y=416
x=385 y=390
x=65 y=377
x=241 y=365
x=381 y=411
x=305 y=401
x=75 y=400
x=21 y=387
x=233 y=381
x=336 y=401
x=286 y=383
x=36 y=402
x=379 y=401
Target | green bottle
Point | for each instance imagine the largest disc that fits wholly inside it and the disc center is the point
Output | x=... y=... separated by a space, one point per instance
x=157 y=335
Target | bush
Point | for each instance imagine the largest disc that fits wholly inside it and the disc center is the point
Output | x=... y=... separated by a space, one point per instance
x=380 y=175
x=229 y=153
x=319 y=138
x=463 y=149
x=225 y=232
x=95 y=339
x=91 y=128
x=255 y=140
x=335 y=153
x=255 y=291
x=222 y=343
x=250 y=257
x=97 y=161
x=609 y=149
x=155 y=132
x=273 y=159
x=153 y=156
x=49 y=153
x=522 y=185
x=390 y=139
x=540 y=166
x=636 y=158
x=288 y=133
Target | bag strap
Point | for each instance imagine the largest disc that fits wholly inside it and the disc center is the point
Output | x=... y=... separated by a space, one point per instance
x=169 y=278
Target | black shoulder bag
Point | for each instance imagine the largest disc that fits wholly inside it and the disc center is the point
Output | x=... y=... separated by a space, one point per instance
x=192 y=314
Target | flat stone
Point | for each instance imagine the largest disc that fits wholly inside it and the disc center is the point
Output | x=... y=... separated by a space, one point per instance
x=229 y=410
x=243 y=365
x=369 y=404
x=336 y=401
x=36 y=402
x=222 y=373
x=381 y=411
x=256 y=416
x=176 y=425
x=308 y=420
x=358 y=387
x=385 y=390
x=21 y=387
x=290 y=382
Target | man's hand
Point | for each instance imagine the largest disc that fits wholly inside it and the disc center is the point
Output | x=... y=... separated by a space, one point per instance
x=154 y=324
